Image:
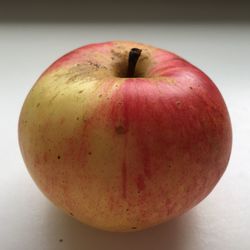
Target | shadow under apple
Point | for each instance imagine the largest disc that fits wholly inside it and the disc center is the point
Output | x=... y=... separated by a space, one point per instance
x=64 y=232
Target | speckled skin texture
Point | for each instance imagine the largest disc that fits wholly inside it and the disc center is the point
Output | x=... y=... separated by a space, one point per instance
x=124 y=154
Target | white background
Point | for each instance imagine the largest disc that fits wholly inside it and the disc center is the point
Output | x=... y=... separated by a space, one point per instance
x=29 y=222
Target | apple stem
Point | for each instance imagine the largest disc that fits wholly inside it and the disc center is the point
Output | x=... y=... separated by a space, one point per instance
x=133 y=57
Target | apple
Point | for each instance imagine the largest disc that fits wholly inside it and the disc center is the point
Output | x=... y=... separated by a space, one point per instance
x=124 y=136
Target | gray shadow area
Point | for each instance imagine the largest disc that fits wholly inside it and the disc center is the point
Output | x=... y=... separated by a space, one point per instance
x=65 y=232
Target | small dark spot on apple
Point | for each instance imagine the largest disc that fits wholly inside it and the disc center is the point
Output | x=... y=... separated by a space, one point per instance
x=169 y=166
x=71 y=214
x=94 y=64
x=133 y=227
x=120 y=130
x=100 y=96
x=38 y=104
x=112 y=58
x=60 y=240
x=58 y=157
x=25 y=121
x=127 y=209
x=89 y=153
x=191 y=87
x=77 y=118
x=80 y=91
x=178 y=103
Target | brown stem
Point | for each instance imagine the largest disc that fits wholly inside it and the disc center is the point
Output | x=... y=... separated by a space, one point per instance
x=133 y=57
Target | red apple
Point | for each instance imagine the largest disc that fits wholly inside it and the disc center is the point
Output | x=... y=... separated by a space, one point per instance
x=122 y=144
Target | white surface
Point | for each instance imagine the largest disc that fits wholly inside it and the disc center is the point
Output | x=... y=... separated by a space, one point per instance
x=29 y=222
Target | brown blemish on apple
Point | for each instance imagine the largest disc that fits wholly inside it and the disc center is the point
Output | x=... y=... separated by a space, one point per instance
x=38 y=104
x=178 y=103
x=79 y=57
x=121 y=130
x=53 y=97
x=58 y=157
x=74 y=78
x=80 y=91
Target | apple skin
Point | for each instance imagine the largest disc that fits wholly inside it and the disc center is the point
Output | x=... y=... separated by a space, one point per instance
x=124 y=154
